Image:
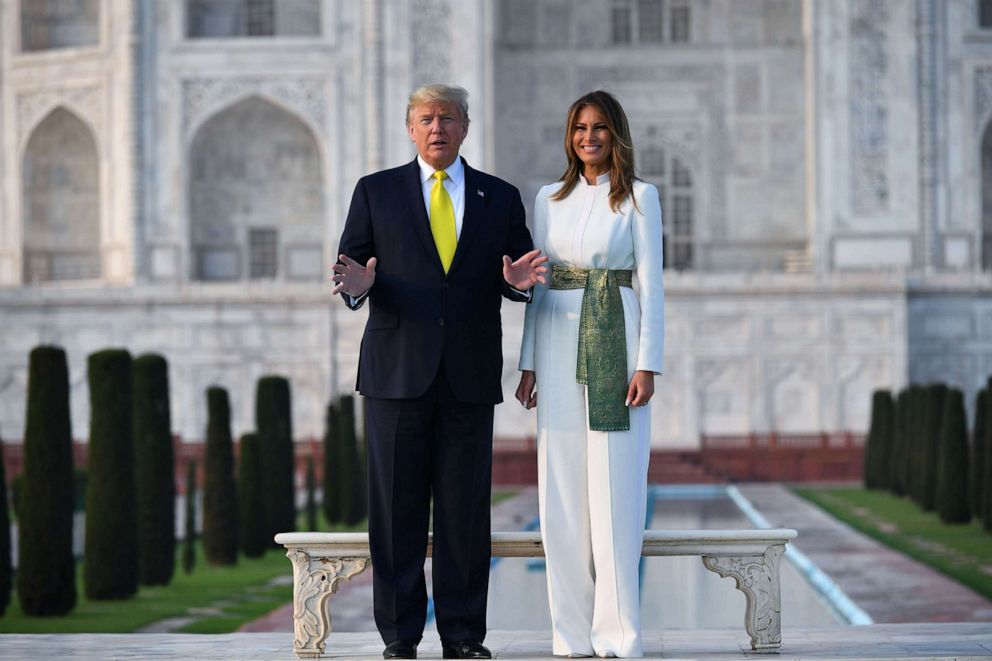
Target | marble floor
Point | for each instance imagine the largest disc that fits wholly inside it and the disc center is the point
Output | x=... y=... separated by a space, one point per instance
x=881 y=641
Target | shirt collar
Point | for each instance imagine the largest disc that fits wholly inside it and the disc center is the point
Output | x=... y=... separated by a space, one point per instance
x=601 y=179
x=455 y=171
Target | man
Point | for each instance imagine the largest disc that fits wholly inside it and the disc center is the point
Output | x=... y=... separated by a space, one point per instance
x=432 y=236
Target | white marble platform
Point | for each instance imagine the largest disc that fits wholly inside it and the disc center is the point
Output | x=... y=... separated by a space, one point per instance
x=972 y=640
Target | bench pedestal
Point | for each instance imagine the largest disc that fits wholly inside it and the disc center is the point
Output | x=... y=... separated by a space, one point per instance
x=315 y=580
x=758 y=578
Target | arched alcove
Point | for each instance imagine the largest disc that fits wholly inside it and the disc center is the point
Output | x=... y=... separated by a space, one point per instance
x=256 y=196
x=60 y=204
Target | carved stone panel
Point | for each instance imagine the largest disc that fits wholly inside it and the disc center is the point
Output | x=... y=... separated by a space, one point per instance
x=203 y=97
x=983 y=95
x=868 y=60
x=724 y=395
x=430 y=34
x=34 y=105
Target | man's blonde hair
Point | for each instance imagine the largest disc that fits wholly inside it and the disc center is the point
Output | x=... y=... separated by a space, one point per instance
x=438 y=93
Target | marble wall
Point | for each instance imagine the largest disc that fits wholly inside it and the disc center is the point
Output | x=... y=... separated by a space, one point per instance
x=829 y=194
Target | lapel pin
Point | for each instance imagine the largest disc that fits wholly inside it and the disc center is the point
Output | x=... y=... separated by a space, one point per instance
x=480 y=193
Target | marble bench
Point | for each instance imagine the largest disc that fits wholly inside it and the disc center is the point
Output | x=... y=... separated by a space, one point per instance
x=751 y=557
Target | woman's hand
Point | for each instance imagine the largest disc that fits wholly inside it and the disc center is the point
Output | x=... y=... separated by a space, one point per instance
x=526 y=393
x=640 y=391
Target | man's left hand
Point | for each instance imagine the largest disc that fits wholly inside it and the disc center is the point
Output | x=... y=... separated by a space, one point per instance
x=526 y=271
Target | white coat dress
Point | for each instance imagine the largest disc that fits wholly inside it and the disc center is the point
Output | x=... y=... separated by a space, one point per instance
x=592 y=484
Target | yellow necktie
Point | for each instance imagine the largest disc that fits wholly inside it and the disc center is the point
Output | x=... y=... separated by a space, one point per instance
x=443 y=220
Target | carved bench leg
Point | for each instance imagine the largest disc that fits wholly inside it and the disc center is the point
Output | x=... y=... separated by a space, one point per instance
x=758 y=578
x=314 y=581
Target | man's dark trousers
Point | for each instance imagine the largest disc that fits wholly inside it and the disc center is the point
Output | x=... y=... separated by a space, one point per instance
x=413 y=443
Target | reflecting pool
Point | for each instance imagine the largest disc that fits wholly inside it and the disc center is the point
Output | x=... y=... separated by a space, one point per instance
x=676 y=593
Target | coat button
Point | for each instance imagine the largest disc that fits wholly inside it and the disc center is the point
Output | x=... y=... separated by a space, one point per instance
x=440 y=322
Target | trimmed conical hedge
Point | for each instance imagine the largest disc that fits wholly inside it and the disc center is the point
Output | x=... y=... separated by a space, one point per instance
x=220 y=500
x=933 y=416
x=110 y=567
x=332 y=484
x=311 y=508
x=987 y=505
x=952 y=472
x=254 y=530
x=353 y=508
x=899 y=449
x=274 y=425
x=46 y=572
x=6 y=567
x=189 y=540
x=155 y=470
x=977 y=479
x=879 y=434
x=916 y=436
x=345 y=500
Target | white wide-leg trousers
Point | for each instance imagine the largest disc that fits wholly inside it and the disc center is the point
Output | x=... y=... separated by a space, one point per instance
x=592 y=493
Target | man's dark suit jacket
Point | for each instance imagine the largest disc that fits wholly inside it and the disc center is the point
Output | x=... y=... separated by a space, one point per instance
x=419 y=315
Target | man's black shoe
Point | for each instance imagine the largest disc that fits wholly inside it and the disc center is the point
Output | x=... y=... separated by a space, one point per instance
x=400 y=649
x=465 y=649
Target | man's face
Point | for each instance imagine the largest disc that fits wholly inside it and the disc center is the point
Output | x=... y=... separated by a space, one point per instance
x=438 y=130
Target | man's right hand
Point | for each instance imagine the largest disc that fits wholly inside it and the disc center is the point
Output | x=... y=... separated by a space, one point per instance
x=351 y=277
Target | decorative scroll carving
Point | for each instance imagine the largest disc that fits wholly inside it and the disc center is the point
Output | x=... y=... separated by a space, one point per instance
x=203 y=97
x=868 y=60
x=33 y=106
x=758 y=578
x=315 y=580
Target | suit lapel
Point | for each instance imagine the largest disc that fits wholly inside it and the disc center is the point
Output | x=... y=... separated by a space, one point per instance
x=475 y=213
x=414 y=194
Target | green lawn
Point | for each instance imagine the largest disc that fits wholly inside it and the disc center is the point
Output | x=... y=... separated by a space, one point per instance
x=231 y=596
x=200 y=589
x=963 y=552
x=235 y=595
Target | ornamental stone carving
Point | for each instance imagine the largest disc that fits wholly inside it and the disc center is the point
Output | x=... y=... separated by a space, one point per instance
x=868 y=59
x=430 y=34
x=758 y=578
x=315 y=580
x=983 y=96
x=33 y=106
x=202 y=97
x=683 y=139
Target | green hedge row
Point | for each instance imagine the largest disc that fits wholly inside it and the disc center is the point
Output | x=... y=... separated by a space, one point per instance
x=918 y=445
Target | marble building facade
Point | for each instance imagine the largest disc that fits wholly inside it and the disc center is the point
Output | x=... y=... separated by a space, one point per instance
x=175 y=175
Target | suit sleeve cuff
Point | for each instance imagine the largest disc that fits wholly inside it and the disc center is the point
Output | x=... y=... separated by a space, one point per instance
x=528 y=294
x=355 y=302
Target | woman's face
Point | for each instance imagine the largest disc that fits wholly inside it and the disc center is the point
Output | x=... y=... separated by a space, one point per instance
x=591 y=139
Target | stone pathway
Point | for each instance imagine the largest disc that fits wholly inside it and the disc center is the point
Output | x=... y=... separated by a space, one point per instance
x=884 y=641
x=888 y=585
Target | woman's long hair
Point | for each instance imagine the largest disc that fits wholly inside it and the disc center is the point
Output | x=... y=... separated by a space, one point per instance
x=621 y=153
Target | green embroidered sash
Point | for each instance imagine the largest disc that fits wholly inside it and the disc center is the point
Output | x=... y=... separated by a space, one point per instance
x=602 y=360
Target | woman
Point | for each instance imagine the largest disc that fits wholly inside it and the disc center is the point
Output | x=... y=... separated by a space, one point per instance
x=592 y=349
